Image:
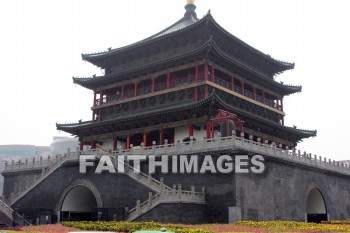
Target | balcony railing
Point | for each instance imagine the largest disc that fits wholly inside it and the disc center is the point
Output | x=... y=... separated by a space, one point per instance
x=185 y=81
x=247 y=93
x=129 y=94
x=144 y=90
x=182 y=81
x=223 y=83
x=160 y=86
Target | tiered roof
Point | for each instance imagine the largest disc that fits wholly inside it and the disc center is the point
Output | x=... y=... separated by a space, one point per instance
x=211 y=105
x=189 y=39
x=209 y=49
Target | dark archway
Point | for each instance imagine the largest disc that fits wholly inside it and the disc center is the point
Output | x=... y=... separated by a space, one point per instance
x=79 y=204
x=316 y=209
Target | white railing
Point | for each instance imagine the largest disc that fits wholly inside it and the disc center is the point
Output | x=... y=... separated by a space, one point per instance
x=47 y=169
x=238 y=143
x=173 y=196
x=9 y=212
x=207 y=145
x=138 y=176
x=164 y=194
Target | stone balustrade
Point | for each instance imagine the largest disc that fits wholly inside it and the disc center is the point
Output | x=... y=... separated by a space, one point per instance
x=10 y=213
x=172 y=196
x=205 y=146
x=46 y=170
x=243 y=145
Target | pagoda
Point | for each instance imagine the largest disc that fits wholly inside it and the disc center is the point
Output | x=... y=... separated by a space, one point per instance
x=192 y=80
x=192 y=90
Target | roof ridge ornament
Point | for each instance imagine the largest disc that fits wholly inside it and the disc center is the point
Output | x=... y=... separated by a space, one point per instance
x=190 y=9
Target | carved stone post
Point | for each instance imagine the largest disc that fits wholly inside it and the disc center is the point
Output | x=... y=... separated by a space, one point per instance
x=149 y=178
x=149 y=204
x=174 y=188
x=138 y=202
x=193 y=190
x=179 y=191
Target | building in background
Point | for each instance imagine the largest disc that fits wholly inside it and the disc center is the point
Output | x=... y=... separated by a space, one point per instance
x=15 y=152
x=59 y=145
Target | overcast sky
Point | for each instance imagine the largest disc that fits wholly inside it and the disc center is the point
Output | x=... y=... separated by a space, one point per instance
x=41 y=44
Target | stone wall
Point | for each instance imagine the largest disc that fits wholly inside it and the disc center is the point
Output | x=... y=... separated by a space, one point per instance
x=279 y=193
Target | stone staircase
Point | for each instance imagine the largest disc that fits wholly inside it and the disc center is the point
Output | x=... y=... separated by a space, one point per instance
x=47 y=169
x=163 y=193
x=138 y=176
x=10 y=213
x=165 y=197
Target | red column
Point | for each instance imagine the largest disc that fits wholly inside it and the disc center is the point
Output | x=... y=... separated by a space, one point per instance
x=206 y=91
x=227 y=128
x=242 y=86
x=161 y=135
x=232 y=83
x=254 y=93
x=205 y=72
x=122 y=94
x=144 y=139
x=99 y=115
x=263 y=95
x=190 y=130
x=153 y=83
x=128 y=142
x=212 y=73
x=81 y=146
x=94 y=99
x=168 y=80
x=208 y=129
x=196 y=88
x=115 y=142
x=93 y=144
x=135 y=90
x=93 y=115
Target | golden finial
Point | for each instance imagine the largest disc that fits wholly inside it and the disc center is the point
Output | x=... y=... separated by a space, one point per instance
x=190 y=2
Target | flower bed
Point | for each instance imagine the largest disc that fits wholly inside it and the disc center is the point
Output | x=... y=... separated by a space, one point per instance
x=244 y=226
x=56 y=228
x=302 y=226
x=132 y=226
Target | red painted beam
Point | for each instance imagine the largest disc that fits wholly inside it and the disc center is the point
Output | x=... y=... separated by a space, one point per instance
x=144 y=139
x=190 y=130
x=135 y=90
x=128 y=142
x=208 y=129
x=153 y=83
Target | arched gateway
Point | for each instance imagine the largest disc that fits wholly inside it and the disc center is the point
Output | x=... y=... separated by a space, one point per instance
x=79 y=201
x=316 y=206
